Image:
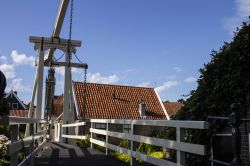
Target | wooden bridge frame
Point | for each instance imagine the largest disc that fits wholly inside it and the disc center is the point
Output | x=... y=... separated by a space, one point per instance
x=33 y=145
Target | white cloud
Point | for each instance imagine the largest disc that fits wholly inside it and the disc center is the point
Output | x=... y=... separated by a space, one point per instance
x=242 y=13
x=144 y=84
x=59 y=70
x=190 y=79
x=177 y=69
x=166 y=85
x=98 y=78
x=8 y=70
x=17 y=85
x=172 y=77
x=3 y=59
x=22 y=59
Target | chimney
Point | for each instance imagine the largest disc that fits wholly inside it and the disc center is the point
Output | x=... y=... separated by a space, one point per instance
x=142 y=108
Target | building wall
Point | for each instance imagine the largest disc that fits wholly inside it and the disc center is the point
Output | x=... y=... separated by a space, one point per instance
x=11 y=99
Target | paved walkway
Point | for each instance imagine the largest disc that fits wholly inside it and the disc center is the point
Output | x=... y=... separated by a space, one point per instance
x=68 y=155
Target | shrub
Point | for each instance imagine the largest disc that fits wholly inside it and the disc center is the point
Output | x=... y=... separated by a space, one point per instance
x=85 y=143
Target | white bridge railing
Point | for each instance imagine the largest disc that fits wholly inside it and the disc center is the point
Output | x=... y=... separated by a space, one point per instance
x=179 y=145
x=31 y=144
x=76 y=126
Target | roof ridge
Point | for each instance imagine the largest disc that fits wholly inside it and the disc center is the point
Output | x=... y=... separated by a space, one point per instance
x=113 y=85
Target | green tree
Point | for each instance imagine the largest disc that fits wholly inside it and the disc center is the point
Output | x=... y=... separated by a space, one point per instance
x=223 y=81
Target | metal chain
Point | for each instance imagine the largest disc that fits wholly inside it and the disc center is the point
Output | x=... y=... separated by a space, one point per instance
x=71 y=19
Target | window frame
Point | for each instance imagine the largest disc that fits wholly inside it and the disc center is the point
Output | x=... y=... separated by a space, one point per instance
x=14 y=108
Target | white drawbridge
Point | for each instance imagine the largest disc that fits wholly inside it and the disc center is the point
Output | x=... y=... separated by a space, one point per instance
x=50 y=44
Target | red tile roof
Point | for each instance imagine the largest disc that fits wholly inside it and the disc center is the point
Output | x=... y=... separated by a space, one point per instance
x=57 y=105
x=105 y=101
x=172 y=107
x=19 y=113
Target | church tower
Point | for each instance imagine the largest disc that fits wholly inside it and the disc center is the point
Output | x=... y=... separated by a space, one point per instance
x=50 y=91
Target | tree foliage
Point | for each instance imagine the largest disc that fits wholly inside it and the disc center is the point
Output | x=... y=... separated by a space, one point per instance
x=223 y=81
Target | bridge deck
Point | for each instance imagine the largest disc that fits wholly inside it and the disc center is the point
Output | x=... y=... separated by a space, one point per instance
x=65 y=154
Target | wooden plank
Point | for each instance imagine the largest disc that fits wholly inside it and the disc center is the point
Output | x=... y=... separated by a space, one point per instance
x=75 y=65
x=98 y=142
x=14 y=134
x=28 y=158
x=119 y=149
x=58 y=25
x=54 y=40
x=74 y=124
x=149 y=159
x=165 y=123
x=153 y=160
x=181 y=146
x=74 y=136
x=19 y=144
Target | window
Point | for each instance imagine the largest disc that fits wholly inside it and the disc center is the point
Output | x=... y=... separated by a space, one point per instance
x=9 y=105
x=126 y=128
x=14 y=106
x=100 y=126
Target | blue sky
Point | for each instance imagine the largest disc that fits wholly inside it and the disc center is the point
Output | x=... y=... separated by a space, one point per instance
x=153 y=43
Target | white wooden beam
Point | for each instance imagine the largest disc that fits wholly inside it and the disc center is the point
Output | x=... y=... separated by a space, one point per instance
x=74 y=136
x=59 y=64
x=74 y=124
x=58 y=26
x=180 y=146
x=55 y=41
x=165 y=123
x=39 y=98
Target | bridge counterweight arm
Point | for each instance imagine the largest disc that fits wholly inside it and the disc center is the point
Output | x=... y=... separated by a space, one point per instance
x=57 y=27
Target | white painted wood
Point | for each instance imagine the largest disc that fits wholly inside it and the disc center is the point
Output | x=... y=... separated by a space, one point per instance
x=32 y=145
x=98 y=142
x=181 y=146
x=166 y=123
x=75 y=101
x=180 y=136
x=14 y=133
x=74 y=124
x=31 y=109
x=119 y=149
x=74 y=136
x=162 y=106
x=67 y=87
x=58 y=25
x=18 y=145
x=141 y=156
x=24 y=162
x=39 y=98
x=75 y=65
x=91 y=135
x=107 y=138
x=131 y=145
x=54 y=41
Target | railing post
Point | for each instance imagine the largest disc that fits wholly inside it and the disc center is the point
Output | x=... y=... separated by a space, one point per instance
x=132 y=160
x=31 y=148
x=236 y=135
x=91 y=135
x=14 y=132
x=107 y=137
x=180 y=136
